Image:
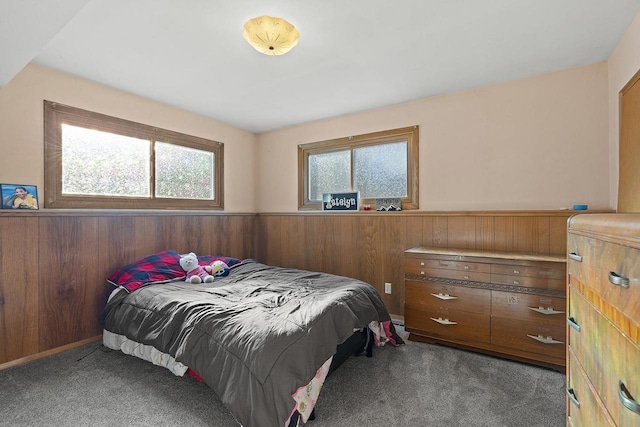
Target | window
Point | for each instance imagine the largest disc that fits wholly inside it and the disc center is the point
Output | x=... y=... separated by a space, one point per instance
x=378 y=165
x=98 y=161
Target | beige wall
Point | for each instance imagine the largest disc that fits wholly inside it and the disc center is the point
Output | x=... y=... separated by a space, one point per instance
x=623 y=63
x=21 y=128
x=535 y=143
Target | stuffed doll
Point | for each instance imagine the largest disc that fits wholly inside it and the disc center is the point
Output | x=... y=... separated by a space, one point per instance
x=218 y=268
x=195 y=273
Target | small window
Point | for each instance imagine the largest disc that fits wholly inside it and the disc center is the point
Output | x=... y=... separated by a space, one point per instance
x=98 y=161
x=378 y=165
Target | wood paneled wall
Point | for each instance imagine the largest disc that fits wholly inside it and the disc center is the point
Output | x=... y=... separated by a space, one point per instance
x=370 y=246
x=54 y=265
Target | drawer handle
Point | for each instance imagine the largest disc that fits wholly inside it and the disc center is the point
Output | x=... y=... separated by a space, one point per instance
x=516 y=282
x=618 y=280
x=572 y=322
x=466 y=277
x=574 y=256
x=545 y=311
x=572 y=396
x=545 y=340
x=516 y=271
x=422 y=272
x=627 y=400
x=422 y=264
x=444 y=296
x=443 y=321
x=466 y=267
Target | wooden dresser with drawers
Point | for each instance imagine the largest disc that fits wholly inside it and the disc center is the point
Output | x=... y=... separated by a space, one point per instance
x=501 y=303
x=603 y=320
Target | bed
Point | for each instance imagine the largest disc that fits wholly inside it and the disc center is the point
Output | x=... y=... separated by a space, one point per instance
x=263 y=337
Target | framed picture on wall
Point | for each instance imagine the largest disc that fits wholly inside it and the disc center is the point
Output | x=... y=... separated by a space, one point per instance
x=17 y=196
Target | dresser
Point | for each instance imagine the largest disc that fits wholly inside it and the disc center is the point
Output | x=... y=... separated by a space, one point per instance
x=500 y=303
x=603 y=320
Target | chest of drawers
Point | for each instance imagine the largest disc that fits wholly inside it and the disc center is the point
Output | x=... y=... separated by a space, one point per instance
x=500 y=303
x=603 y=352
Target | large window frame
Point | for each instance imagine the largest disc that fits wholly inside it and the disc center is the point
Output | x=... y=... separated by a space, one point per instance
x=408 y=134
x=56 y=114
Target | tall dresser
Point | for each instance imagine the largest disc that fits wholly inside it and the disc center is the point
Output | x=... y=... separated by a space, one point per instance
x=603 y=320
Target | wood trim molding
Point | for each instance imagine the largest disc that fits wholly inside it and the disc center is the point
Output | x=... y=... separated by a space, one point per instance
x=117 y=212
x=47 y=353
x=419 y=213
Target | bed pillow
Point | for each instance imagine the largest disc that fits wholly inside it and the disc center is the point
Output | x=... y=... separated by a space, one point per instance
x=161 y=267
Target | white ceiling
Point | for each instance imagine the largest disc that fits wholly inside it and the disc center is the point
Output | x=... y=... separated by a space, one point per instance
x=353 y=55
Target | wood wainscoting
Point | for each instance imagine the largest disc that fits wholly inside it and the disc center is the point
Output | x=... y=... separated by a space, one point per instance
x=370 y=245
x=54 y=265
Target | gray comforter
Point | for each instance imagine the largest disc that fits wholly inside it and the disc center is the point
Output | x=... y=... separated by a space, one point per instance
x=254 y=336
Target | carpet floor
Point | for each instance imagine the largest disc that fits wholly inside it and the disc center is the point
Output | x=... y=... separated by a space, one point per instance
x=415 y=384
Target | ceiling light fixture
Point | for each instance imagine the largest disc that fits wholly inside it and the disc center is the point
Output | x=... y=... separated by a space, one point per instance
x=271 y=36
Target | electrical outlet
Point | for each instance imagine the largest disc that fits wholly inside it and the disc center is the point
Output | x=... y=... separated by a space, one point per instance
x=387 y=288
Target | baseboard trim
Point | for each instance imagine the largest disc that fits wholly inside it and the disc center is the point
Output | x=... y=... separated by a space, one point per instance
x=47 y=353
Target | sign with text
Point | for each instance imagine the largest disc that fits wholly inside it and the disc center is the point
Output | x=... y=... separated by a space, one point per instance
x=340 y=201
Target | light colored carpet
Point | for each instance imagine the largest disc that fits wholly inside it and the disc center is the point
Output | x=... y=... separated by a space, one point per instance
x=416 y=384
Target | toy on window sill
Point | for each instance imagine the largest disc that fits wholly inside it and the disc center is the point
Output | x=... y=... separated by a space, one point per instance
x=195 y=273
